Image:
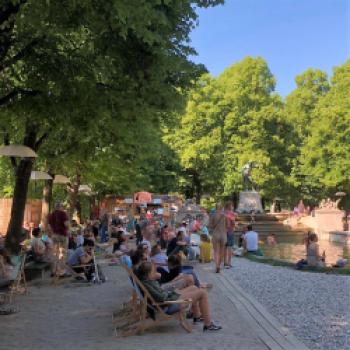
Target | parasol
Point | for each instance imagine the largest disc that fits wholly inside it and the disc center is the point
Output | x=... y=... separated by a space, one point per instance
x=61 y=179
x=17 y=151
x=40 y=175
x=340 y=194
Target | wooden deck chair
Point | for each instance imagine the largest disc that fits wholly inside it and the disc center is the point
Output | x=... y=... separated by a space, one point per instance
x=152 y=313
x=16 y=279
x=75 y=274
x=130 y=309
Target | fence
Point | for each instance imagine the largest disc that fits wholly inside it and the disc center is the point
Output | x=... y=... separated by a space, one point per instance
x=32 y=212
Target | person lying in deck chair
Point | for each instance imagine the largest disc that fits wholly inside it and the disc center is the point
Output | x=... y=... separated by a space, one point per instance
x=82 y=261
x=147 y=274
x=140 y=255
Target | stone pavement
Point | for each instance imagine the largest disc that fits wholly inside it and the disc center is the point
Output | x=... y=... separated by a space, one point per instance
x=72 y=317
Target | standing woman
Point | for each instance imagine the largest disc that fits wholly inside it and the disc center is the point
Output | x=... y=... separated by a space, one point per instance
x=230 y=222
x=218 y=229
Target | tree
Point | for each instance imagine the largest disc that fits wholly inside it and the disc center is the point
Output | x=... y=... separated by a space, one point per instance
x=229 y=121
x=110 y=59
x=197 y=139
x=312 y=85
x=254 y=127
x=325 y=155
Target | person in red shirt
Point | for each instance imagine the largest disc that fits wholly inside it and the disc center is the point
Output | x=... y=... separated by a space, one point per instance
x=58 y=227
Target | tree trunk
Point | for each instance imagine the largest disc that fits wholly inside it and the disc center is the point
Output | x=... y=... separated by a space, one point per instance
x=73 y=192
x=78 y=207
x=14 y=230
x=46 y=201
x=197 y=187
x=23 y=170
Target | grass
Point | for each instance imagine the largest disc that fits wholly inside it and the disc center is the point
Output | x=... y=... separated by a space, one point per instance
x=283 y=263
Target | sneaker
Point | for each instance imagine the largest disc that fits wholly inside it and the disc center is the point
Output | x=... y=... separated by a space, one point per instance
x=211 y=327
x=197 y=320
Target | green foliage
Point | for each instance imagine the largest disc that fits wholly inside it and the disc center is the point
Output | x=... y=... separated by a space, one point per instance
x=300 y=146
x=254 y=127
x=325 y=156
x=229 y=121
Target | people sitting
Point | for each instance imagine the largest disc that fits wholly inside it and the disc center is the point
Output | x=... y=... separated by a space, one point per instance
x=251 y=241
x=83 y=256
x=313 y=256
x=177 y=244
x=41 y=247
x=121 y=246
x=159 y=258
x=147 y=274
x=205 y=248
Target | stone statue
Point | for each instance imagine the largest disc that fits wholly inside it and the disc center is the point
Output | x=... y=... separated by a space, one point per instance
x=329 y=204
x=247 y=176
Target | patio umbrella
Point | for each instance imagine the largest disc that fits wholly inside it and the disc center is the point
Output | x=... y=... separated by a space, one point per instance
x=40 y=175
x=17 y=151
x=61 y=179
x=340 y=194
x=85 y=189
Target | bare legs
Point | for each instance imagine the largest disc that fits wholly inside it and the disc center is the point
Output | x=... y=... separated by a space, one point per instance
x=219 y=253
x=228 y=256
x=200 y=302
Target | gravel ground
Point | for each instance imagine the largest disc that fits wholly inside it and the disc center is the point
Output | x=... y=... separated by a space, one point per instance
x=315 y=306
x=71 y=317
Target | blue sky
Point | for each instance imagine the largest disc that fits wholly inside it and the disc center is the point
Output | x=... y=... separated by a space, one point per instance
x=291 y=35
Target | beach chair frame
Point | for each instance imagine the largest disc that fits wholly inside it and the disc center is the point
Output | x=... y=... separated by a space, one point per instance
x=14 y=288
x=140 y=320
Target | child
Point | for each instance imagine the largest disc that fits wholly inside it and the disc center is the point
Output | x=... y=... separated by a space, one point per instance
x=271 y=239
x=205 y=249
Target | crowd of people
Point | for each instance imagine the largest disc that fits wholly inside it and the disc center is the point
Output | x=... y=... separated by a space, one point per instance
x=65 y=242
x=153 y=247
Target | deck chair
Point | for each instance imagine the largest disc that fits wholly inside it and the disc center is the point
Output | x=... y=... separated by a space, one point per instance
x=75 y=274
x=150 y=313
x=128 y=312
x=17 y=278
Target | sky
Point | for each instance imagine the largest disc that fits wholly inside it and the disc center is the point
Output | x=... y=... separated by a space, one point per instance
x=291 y=35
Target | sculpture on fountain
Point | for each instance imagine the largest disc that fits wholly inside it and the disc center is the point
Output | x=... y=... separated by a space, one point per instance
x=249 y=198
x=328 y=204
x=247 y=176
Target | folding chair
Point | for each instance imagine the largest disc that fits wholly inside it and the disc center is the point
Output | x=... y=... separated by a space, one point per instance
x=75 y=274
x=17 y=277
x=149 y=313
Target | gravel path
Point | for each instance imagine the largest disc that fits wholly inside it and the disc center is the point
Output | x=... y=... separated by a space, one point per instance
x=315 y=306
x=68 y=317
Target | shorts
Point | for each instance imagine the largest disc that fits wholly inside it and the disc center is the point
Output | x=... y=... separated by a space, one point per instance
x=230 y=240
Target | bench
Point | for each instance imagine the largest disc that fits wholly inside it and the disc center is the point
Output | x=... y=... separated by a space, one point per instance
x=37 y=266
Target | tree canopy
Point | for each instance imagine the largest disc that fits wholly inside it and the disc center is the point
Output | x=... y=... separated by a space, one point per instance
x=298 y=144
x=87 y=69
